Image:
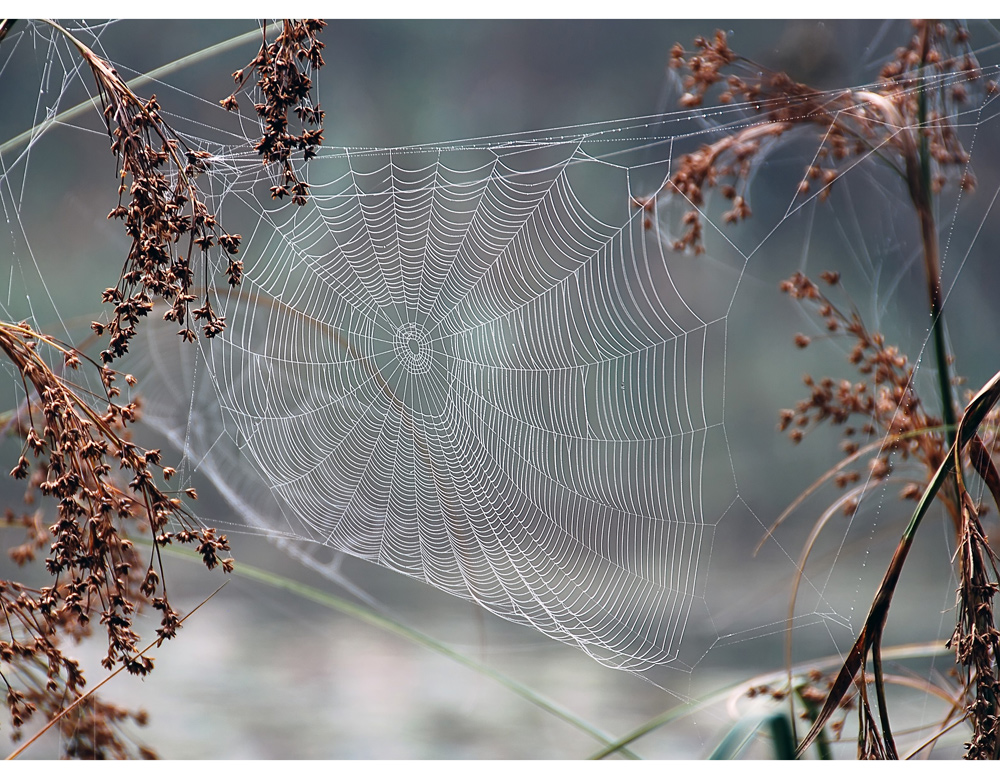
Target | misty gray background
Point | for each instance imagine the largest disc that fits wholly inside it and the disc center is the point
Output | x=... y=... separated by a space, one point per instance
x=258 y=674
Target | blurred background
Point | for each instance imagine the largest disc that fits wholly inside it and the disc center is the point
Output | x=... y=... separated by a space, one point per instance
x=258 y=673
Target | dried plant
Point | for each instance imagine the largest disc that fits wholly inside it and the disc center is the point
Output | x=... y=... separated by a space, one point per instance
x=283 y=69
x=69 y=449
x=166 y=214
x=908 y=121
x=77 y=453
x=883 y=405
x=851 y=123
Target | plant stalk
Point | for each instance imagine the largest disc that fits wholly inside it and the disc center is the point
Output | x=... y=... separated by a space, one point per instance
x=932 y=270
x=920 y=192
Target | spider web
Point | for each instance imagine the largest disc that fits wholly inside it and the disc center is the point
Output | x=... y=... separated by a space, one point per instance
x=449 y=364
x=479 y=364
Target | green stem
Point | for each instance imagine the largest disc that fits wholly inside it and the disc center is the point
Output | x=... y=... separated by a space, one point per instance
x=932 y=265
x=812 y=711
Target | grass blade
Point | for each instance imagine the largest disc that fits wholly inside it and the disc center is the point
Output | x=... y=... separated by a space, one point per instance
x=780 y=726
x=742 y=733
x=736 y=740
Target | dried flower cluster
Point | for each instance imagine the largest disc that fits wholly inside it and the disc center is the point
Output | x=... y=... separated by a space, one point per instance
x=283 y=70
x=73 y=454
x=171 y=228
x=952 y=74
x=812 y=690
x=907 y=113
x=40 y=681
x=883 y=406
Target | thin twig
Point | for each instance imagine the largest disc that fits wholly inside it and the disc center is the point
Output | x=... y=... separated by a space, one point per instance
x=17 y=752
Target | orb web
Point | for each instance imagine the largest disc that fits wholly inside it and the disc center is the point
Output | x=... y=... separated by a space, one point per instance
x=475 y=366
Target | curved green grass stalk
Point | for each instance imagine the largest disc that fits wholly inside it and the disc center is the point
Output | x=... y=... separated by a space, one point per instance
x=136 y=83
x=931 y=261
x=743 y=732
x=737 y=739
x=780 y=725
x=390 y=625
